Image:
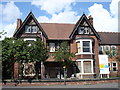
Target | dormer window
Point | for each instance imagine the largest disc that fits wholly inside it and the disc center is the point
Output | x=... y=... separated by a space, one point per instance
x=83 y=30
x=30 y=29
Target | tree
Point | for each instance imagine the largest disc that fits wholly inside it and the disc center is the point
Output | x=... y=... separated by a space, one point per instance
x=38 y=53
x=13 y=50
x=18 y=50
x=64 y=55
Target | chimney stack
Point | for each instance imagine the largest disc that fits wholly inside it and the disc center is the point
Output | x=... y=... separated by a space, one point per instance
x=90 y=19
x=19 y=22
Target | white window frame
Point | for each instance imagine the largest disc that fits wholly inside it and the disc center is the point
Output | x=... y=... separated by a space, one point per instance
x=26 y=29
x=32 y=30
x=115 y=49
x=82 y=63
x=114 y=66
x=52 y=46
x=81 y=48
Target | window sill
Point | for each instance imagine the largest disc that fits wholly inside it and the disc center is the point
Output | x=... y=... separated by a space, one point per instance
x=86 y=73
x=83 y=53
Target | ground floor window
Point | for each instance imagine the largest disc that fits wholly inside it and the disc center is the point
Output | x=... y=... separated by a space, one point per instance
x=85 y=65
x=114 y=66
x=28 y=69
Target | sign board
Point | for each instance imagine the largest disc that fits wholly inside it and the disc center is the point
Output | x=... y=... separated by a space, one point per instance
x=103 y=64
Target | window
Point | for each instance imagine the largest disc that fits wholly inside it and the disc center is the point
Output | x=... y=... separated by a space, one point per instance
x=34 y=29
x=30 y=29
x=107 y=50
x=52 y=47
x=100 y=50
x=109 y=65
x=113 y=50
x=28 y=69
x=79 y=66
x=78 y=47
x=114 y=66
x=84 y=46
x=83 y=30
x=85 y=66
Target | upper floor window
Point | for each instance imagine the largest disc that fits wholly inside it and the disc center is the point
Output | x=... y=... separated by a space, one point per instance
x=113 y=50
x=52 y=47
x=84 y=46
x=27 y=29
x=83 y=30
x=100 y=49
x=30 y=29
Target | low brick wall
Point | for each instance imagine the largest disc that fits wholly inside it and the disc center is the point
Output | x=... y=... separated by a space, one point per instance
x=79 y=82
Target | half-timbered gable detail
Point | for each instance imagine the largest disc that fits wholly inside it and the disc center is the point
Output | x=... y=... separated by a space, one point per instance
x=84 y=27
x=30 y=28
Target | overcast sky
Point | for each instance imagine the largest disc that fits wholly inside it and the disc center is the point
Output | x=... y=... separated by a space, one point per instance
x=105 y=14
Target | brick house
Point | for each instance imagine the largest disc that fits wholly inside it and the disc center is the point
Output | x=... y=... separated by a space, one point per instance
x=83 y=40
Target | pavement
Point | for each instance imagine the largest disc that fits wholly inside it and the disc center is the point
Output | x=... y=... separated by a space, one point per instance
x=104 y=85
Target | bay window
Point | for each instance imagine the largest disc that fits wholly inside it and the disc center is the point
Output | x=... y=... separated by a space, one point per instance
x=84 y=46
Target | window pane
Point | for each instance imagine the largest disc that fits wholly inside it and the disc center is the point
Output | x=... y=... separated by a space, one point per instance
x=79 y=66
x=86 y=49
x=78 y=47
x=28 y=28
x=86 y=43
x=114 y=69
x=34 y=29
x=87 y=67
x=114 y=64
x=52 y=47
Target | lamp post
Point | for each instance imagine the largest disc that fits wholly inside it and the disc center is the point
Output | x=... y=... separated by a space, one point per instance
x=64 y=67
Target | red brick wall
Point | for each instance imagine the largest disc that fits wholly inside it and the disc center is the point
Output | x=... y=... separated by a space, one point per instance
x=95 y=49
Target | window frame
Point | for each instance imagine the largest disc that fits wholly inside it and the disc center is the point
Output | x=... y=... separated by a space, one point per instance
x=114 y=66
x=26 y=31
x=82 y=65
x=83 y=30
x=31 y=26
x=50 y=46
x=81 y=46
x=114 y=50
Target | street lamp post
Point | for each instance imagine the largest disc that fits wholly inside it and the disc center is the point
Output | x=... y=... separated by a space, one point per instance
x=64 y=67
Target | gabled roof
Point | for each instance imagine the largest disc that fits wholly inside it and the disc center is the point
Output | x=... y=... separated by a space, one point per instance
x=79 y=22
x=27 y=18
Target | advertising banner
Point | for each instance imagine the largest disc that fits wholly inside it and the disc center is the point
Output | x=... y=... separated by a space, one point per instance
x=103 y=64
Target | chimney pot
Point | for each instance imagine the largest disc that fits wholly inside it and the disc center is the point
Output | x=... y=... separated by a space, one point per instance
x=90 y=19
x=19 y=22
